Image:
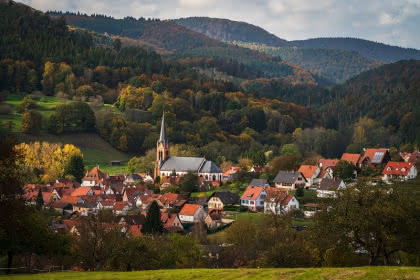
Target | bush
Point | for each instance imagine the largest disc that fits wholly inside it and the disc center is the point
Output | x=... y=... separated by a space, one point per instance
x=5 y=109
x=27 y=104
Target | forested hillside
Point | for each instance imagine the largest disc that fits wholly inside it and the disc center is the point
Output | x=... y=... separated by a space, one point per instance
x=231 y=31
x=389 y=94
x=370 y=49
x=334 y=65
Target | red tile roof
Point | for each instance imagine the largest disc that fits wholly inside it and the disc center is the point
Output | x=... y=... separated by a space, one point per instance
x=119 y=206
x=169 y=198
x=47 y=197
x=81 y=191
x=252 y=193
x=308 y=170
x=352 y=158
x=70 y=199
x=370 y=153
x=232 y=170
x=96 y=174
x=397 y=168
x=326 y=163
x=189 y=209
x=135 y=231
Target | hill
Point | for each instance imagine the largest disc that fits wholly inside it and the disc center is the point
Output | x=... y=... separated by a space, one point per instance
x=334 y=65
x=389 y=94
x=231 y=31
x=369 y=273
x=373 y=50
x=160 y=34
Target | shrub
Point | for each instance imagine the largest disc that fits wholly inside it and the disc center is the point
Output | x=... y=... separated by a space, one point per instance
x=5 y=109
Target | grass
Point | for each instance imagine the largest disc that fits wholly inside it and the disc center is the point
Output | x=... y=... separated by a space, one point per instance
x=96 y=151
x=368 y=273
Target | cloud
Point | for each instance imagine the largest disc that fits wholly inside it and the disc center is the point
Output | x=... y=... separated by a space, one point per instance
x=389 y=21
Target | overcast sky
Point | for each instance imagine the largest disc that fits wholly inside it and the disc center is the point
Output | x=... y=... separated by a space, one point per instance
x=395 y=22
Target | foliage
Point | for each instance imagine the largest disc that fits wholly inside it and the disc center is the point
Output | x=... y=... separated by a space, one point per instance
x=75 y=167
x=72 y=117
x=153 y=223
x=31 y=122
x=189 y=183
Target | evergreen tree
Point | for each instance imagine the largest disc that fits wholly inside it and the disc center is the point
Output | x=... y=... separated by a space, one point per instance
x=153 y=223
x=39 y=200
x=75 y=167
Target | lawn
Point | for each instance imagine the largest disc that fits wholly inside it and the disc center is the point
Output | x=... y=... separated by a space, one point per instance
x=368 y=273
x=96 y=151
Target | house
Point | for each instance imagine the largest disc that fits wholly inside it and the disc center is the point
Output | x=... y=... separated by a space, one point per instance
x=192 y=213
x=375 y=158
x=106 y=204
x=327 y=168
x=231 y=173
x=132 y=179
x=310 y=172
x=130 y=220
x=309 y=209
x=84 y=208
x=95 y=177
x=171 y=222
x=399 y=171
x=121 y=208
x=170 y=200
x=351 y=158
x=257 y=169
x=62 y=207
x=82 y=191
x=279 y=202
x=213 y=220
x=218 y=200
x=253 y=198
x=259 y=183
x=329 y=187
x=134 y=231
x=166 y=165
x=290 y=180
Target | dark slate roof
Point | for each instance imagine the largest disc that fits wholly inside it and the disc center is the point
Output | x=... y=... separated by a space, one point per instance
x=134 y=177
x=258 y=183
x=135 y=219
x=186 y=164
x=286 y=177
x=163 y=138
x=210 y=167
x=226 y=197
x=329 y=184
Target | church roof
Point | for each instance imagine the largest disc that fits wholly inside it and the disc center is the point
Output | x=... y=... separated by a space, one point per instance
x=210 y=167
x=183 y=164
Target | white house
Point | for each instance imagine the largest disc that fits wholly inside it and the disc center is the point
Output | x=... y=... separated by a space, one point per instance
x=310 y=172
x=290 y=180
x=253 y=198
x=279 y=202
x=399 y=171
x=192 y=213
x=330 y=187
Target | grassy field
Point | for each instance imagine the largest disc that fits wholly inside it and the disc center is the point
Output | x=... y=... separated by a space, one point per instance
x=368 y=273
x=96 y=151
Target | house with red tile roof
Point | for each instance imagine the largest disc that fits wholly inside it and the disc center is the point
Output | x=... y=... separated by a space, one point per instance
x=253 y=198
x=231 y=173
x=170 y=200
x=95 y=177
x=171 y=222
x=121 y=208
x=279 y=202
x=82 y=191
x=326 y=166
x=134 y=231
x=399 y=171
x=351 y=158
x=375 y=158
x=310 y=172
x=192 y=213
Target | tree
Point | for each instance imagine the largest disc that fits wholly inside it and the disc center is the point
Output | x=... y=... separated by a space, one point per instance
x=283 y=162
x=75 y=167
x=39 y=200
x=189 y=183
x=117 y=44
x=153 y=223
x=31 y=122
x=345 y=170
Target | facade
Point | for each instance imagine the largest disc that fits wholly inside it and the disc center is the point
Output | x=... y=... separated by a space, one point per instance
x=329 y=187
x=326 y=166
x=279 y=202
x=310 y=172
x=166 y=165
x=399 y=171
x=218 y=200
x=290 y=180
x=253 y=198
x=95 y=177
x=192 y=213
x=374 y=158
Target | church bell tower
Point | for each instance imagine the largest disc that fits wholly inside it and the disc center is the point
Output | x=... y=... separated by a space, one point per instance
x=162 y=148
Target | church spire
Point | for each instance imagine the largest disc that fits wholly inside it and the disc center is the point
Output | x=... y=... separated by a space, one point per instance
x=163 y=138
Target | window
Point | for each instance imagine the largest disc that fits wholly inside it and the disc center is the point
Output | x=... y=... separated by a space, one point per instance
x=261 y=202
x=251 y=202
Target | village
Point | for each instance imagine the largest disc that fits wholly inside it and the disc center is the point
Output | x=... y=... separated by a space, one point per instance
x=299 y=193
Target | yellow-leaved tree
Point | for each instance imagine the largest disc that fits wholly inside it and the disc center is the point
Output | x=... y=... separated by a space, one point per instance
x=47 y=159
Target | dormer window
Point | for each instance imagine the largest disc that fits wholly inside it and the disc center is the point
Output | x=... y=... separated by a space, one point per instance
x=403 y=169
x=389 y=168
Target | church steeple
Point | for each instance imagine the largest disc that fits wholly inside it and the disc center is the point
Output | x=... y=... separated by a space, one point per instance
x=162 y=147
x=163 y=138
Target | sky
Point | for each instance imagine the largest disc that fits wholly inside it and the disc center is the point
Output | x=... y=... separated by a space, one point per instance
x=394 y=22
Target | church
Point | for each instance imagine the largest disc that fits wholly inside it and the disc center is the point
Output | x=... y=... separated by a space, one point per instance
x=166 y=165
